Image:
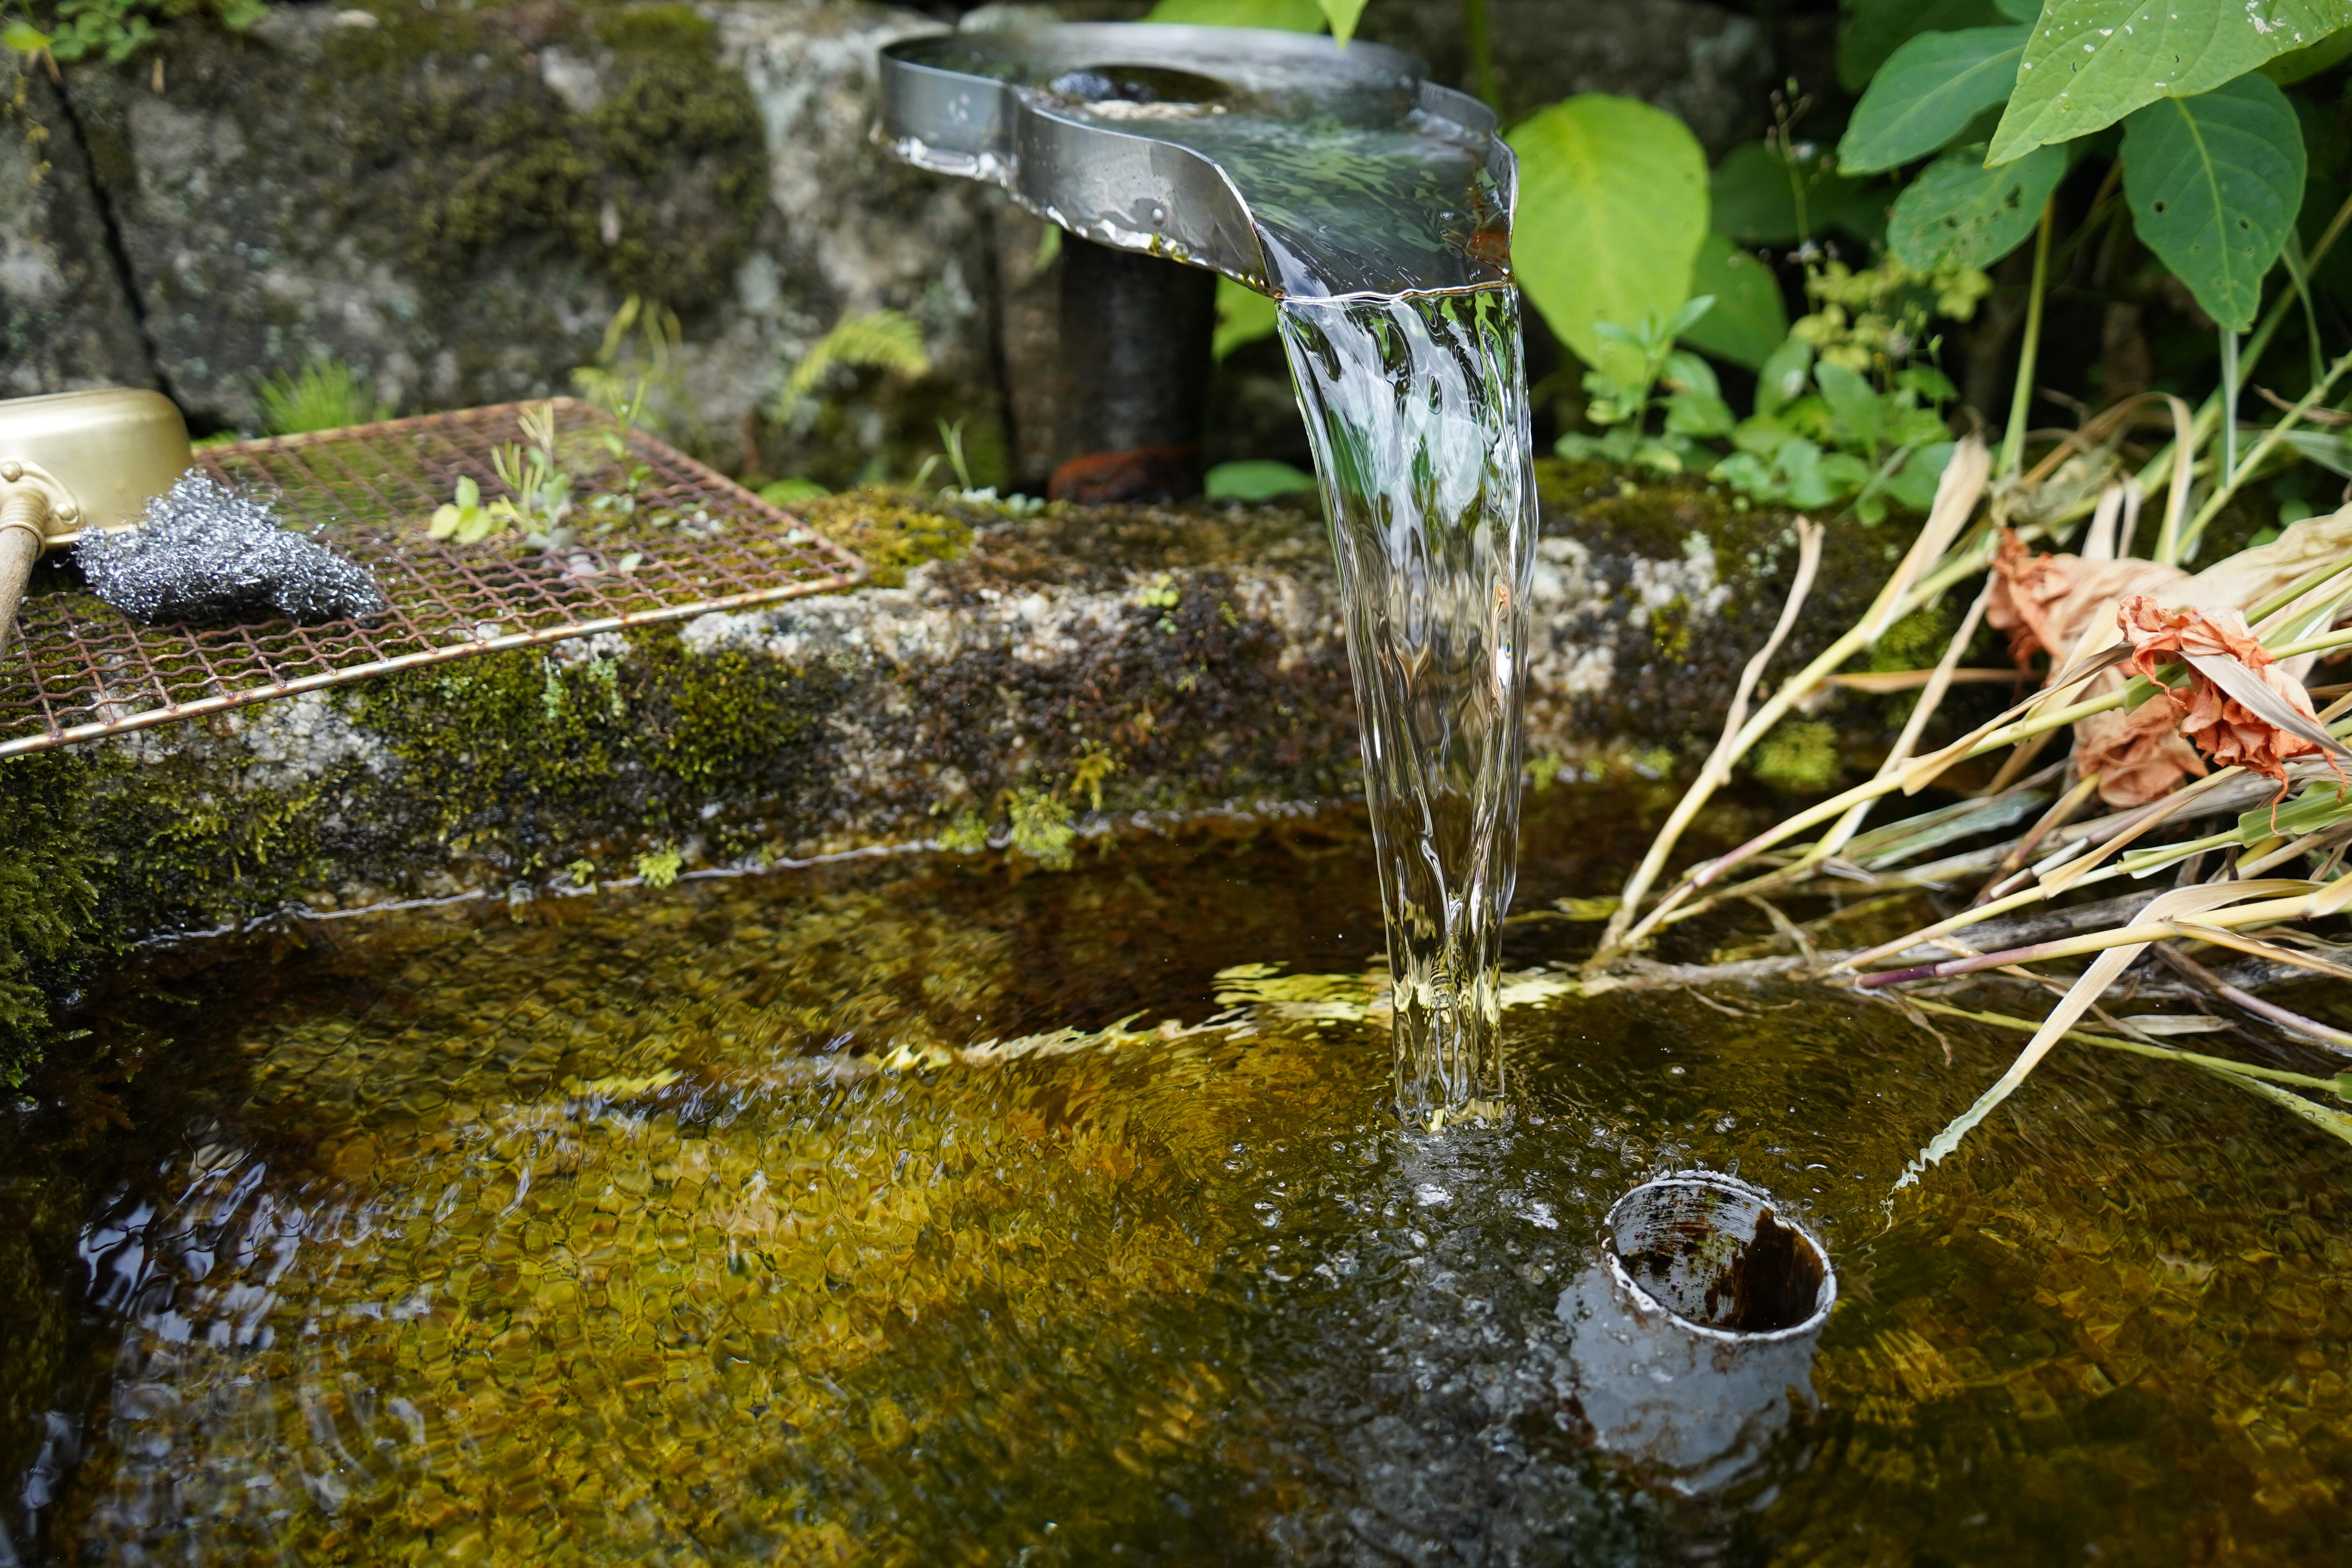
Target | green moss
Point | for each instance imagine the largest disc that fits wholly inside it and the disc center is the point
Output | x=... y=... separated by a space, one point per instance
x=889 y=531
x=1042 y=829
x=1917 y=641
x=49 y=901
x=509 y=756
x=658 y=188
x=1801 y=756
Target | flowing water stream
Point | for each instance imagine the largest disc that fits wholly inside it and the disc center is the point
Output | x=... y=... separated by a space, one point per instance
x=1381 y=214
x=1416 y=406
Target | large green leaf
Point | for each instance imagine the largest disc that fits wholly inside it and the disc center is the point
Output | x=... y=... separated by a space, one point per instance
x=2213 y=182
x=1284 y=16
x=2296 y=65
x=2091 y=62
x=1958 y=212
x=1344 y=14
x=1612 y=206
x=1749 y=320
x=1927 y=93
x=1755 y=199
x=1874 y=30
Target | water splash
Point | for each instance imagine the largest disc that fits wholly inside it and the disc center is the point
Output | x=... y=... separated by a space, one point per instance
x=1416 y=406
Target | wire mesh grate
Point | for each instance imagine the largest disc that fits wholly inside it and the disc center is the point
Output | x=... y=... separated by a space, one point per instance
x=695 y=542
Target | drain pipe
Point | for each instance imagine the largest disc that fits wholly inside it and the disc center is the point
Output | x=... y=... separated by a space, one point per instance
x=1134 y=384
x=1694 y=1328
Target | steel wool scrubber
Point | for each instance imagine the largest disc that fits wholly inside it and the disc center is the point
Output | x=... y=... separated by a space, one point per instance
x=203 y=553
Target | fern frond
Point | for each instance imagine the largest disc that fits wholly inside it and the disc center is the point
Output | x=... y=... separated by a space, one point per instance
x=882 y=340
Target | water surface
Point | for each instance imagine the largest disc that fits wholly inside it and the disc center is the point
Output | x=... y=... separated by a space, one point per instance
x=778 y=1220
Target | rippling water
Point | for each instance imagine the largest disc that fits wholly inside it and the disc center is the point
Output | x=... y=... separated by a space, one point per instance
x=774 y=1221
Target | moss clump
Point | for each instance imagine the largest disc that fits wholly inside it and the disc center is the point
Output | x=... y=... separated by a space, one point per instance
x=508 y=757
x=1041 y=828
x=657 y=187
x=48 y=901
x=889 y=531
x=1801 y=757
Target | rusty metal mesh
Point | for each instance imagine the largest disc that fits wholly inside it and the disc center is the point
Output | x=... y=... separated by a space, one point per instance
x=701 y=542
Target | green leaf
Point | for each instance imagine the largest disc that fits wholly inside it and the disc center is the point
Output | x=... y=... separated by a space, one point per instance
x=1874 y=30
x=1254 y=479
x=1749 y=320
x=1913 y=484
x=2213 y=181
x=1282 y=15
x=2322 y=805
x=1244 y=316
x=1854 y=401
x=23 y=38
x=1612 y=209
x=1344 y=14
x=1784 y=377
x=1927 y=93
x=2018 y=10
x=1961 y=214
x=2298 y=65
x=2092 y=62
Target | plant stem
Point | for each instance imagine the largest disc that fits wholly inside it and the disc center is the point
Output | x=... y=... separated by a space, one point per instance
x=2218 y=1063
x=2231 y=474
x=1481 y=39
x=2229 y=479
x=2013 y=445
x=2159 y=466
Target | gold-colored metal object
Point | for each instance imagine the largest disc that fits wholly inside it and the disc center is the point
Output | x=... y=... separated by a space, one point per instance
x=692 y=542
x=75 y=461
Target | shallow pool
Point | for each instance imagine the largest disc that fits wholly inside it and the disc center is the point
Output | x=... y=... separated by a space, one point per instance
x=838 y=1217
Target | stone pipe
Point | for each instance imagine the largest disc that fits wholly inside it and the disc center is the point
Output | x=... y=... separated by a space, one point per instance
x=73 y=460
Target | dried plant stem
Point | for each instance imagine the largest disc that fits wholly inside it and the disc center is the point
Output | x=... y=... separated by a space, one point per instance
x=1925 y=571
x=2310 y=900
x=2335 y=1039
x=2057 y=816
x=2255 y=947
x=2139 y=1049
x=1738 y=734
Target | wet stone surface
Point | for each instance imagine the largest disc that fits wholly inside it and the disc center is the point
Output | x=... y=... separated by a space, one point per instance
x=861 y=1217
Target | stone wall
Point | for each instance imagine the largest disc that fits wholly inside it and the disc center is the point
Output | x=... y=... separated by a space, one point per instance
x=456 y=200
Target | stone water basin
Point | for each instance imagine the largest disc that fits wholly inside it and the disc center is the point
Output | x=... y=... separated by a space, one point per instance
x=920 y=1211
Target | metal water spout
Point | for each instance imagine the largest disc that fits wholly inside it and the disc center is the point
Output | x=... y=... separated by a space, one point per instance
x=1280 y=160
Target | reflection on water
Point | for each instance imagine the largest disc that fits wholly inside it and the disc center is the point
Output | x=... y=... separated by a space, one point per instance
x=711 y=1226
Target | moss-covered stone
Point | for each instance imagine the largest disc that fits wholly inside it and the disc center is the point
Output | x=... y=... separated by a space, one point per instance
x=889 y=531
x=657 y=184
x=1014 y=681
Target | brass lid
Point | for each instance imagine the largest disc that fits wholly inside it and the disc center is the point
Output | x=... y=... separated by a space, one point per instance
x=113 y=448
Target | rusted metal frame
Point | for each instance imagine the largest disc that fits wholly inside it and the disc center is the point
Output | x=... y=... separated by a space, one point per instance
x=111 y=665
x=149 y=718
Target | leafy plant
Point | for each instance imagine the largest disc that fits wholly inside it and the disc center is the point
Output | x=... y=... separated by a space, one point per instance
x=111 y=30
x=325 y=395
x=539 y=494
x=1613 y=212
x=881 y=339
x=640 y=367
